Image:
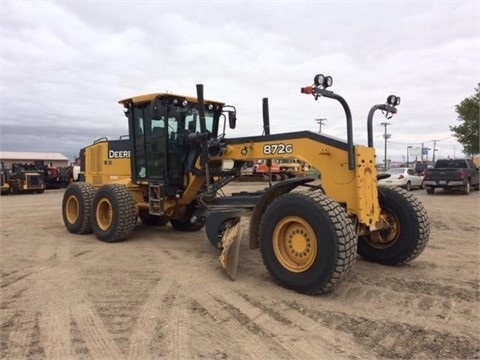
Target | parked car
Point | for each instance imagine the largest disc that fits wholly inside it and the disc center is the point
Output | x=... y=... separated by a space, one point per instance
x=403 y=177
x=452 y=174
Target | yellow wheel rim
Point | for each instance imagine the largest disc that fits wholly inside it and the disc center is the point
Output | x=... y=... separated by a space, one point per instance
x=72 y=209
x=383 y=239
x=295 y=244
x=104 y=214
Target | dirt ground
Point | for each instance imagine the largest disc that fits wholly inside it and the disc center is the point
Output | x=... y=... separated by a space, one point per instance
x=163 y=295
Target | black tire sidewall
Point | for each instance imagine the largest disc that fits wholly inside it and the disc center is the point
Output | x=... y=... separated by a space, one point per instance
x=118 y=230
x=394 y=202
x=327 y=249
x=408 y=187
x=84 y=205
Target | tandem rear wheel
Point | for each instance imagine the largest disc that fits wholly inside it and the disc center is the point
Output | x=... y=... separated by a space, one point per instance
x=77 y=207
x=114 y=213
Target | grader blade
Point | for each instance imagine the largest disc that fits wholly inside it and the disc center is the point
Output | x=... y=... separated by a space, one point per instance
x=231 y=248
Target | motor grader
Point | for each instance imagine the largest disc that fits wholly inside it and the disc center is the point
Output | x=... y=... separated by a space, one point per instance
x=308 y=232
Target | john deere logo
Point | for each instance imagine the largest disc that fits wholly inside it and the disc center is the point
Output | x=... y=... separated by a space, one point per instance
x=121 y=154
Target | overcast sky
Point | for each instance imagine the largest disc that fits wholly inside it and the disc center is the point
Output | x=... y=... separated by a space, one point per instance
x=66 y=64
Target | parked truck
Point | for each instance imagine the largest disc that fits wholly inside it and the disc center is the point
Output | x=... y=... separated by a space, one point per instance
x=451 y=174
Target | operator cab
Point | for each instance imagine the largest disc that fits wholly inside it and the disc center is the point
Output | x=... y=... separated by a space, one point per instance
x=162 y=129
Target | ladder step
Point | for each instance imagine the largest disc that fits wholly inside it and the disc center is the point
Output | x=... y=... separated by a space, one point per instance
x=155 y=199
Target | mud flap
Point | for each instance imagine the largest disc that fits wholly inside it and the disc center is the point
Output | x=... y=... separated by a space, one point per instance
x=231 y=248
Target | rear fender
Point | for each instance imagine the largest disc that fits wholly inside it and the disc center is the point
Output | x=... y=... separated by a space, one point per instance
x=272 y=193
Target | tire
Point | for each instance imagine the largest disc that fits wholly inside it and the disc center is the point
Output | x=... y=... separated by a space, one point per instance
x=430 y=189
x=77 y=207
x=408 y=186
x=114 y=213
x=307 y=242
x=466 y=189
x=153 y=220
x=409 y=232
x=187 y=226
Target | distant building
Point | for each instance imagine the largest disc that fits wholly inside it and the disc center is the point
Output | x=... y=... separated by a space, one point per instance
x=10 y=157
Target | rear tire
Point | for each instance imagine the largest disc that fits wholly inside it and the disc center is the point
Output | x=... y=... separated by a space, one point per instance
x=408 y=234
x=307 y=242
x=77 y=207
x=466 y=188
x=430 y=189
x=114 y=213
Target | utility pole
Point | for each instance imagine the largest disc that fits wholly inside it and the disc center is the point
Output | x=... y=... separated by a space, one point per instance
x=320 y=122
x=434 y=149
x=408 y=158
x=386 y=137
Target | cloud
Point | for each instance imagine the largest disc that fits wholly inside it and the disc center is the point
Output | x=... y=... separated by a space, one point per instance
x=65 y=65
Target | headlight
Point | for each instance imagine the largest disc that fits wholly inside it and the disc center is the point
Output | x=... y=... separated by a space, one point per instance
x=328 y=81
x=319 y=79
x=392 y=100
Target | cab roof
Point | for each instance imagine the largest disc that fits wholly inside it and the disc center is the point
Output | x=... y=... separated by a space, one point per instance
x=149 y=97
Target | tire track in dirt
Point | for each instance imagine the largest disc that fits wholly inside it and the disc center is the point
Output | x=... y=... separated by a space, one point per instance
x=397 y=339
x=248 y=321
x=57 y=300
x=417 y=299
x=330 y=339
x=145 y=330
x=17 y=333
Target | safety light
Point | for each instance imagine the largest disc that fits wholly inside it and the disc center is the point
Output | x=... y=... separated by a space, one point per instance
x=328 y=81
x=184 y=103
x=210 y=107
x=322 y=81
x=392 y=100
x=319 y=79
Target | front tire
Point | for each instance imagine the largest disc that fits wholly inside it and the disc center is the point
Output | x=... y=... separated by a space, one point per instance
x=77 y=207
x=307 y=242
x=407 y=235
x=114 y=213
x=430 y=189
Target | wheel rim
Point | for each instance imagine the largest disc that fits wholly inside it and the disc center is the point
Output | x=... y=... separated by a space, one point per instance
x=385 y=238
x=295 y=244
x=72 y=209
x=104 y=214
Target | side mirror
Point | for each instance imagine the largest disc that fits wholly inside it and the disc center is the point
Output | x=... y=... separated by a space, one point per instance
x=232 y=119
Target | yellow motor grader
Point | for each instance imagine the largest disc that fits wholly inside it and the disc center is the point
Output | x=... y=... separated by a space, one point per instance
x=171 y=171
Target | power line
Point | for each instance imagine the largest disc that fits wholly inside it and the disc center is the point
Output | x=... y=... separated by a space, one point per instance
x=320 y=122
